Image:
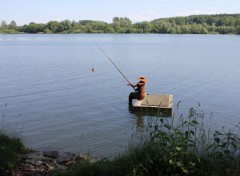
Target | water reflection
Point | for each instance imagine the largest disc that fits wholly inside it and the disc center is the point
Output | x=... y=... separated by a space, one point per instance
x=139 y=120
x=141 y=115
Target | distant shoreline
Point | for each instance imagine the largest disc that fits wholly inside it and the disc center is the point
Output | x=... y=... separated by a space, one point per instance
x=194 y=24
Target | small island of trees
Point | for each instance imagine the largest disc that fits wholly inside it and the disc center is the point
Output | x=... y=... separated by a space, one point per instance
x=195 y=24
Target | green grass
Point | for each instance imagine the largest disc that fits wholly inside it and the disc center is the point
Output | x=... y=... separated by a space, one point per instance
x=173 y=147
x=10 y=148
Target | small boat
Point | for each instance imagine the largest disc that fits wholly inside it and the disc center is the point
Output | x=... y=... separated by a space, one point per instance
x=160 y=104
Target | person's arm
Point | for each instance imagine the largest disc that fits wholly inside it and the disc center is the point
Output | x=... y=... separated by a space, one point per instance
x=133 y=86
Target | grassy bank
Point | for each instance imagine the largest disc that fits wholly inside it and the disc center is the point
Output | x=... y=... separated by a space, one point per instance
x=181 y=147
x=10 y=148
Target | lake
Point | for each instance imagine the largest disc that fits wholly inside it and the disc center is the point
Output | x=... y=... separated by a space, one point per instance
x=52 y=99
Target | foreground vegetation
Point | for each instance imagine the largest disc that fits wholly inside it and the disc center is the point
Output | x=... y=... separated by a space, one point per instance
x=195 y=24
x=10 y=149
x=182 y=148
x=168 y=146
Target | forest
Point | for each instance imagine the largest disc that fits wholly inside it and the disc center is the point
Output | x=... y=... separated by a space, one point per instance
x=194 y=24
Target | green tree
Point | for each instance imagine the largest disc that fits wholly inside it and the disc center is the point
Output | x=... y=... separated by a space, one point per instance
x=180 y=21
x=4 y=25
x=66 y=24
x=53 y=25
x=75 y=27
x=176 y=29
x=47 y=31
x=185 y=29
x=237 y=22
x=99 y=26
x=229 y=21
x=210 y=21
x=60 y=28
x=31 y=28
x=226 y=29
x=145 y=26
x=238 y=30
x=13 y=25
x=88 y=28
x=116 y=22
x=125 y=22
x=162 y=27
x=212 y=28
x=122 y=22
x=219 y=22
x=109 y=30
x=195 y=24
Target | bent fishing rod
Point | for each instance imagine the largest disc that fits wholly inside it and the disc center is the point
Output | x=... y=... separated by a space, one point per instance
x=113 y=63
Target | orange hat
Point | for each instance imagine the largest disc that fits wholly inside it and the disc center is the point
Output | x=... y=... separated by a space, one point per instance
x=143 y=78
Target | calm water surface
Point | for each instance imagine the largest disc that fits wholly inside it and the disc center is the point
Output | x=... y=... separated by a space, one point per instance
x=50 y=96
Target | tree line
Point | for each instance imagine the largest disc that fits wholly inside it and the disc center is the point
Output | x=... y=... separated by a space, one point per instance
x=194 y=24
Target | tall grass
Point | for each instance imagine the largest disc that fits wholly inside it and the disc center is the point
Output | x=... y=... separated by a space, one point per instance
x=10 y=145
x=177 y=146
x=10 y=148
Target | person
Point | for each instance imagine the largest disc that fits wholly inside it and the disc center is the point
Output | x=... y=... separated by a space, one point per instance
x=139 y=88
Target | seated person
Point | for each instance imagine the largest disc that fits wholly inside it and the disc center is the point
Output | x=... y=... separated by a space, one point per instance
x=139 y=88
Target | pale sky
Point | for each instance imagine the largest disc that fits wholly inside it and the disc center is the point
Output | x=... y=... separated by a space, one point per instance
x=43 y=11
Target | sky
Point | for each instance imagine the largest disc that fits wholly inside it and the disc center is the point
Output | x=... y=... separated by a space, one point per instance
x=43 y=11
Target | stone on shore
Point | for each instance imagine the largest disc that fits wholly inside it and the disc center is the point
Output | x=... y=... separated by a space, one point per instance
x=42 y=163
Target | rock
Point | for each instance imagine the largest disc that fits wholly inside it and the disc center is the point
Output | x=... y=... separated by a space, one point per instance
x=49 y=161
x=64 y=157
x=42 y=163
x=51 y=154
x=80 y=157
x=61 y=167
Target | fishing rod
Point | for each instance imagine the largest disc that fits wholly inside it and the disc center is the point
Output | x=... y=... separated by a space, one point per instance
x=113 y=63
